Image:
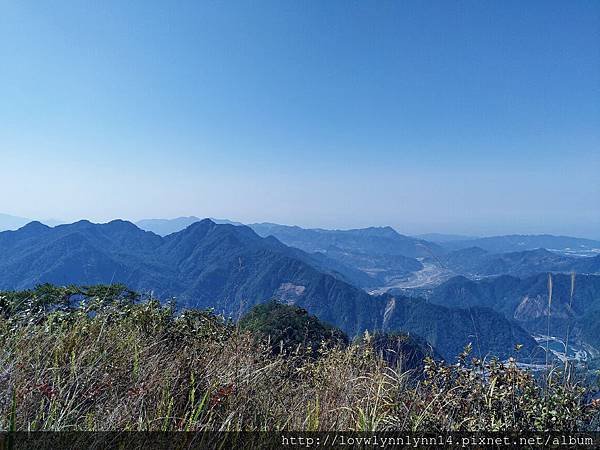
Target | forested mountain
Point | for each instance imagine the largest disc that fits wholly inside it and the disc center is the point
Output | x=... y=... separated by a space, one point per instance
x=588 y=265
x=526 y=301
x=368 y=257
x=380 y=252
x=380 y=257
x=448 y=328
x=231 y=268
x=374 y=239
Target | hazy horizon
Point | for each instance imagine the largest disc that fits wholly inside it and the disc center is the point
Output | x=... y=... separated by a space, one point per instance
x=450 y=117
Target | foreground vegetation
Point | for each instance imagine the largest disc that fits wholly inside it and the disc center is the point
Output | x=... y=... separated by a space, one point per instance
x=103 y=358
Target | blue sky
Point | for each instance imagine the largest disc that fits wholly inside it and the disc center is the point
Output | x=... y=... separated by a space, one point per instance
x=452 y=116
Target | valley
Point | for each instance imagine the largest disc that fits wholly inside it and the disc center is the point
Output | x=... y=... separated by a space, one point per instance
x=429 y=276
x=576 y=352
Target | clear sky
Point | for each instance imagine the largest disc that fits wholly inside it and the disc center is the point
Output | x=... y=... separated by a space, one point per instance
x=478 y=117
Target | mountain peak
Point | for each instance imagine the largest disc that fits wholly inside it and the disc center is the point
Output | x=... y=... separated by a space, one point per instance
x=121 y=225
x=201 y=224
x=383 y=230
x=35 y=226
x=81 y=223
x=196 y=229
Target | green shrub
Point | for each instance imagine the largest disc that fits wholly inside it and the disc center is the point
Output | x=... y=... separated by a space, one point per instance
x=290 y=328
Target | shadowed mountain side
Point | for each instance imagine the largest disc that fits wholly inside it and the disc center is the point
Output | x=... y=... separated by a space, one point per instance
x=509 y=295
x=526 y=301
x=450 y=329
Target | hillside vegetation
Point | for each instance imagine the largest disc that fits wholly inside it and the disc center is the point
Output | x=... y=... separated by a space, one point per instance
x=104 y=358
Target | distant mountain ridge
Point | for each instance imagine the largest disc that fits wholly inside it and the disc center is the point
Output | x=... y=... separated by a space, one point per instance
x=380 y=252
x=380 y=257
x=368 y=257
x=519 y=242
x=476 y=262
x=450 y=242
x=231 y=268
x=379 y=240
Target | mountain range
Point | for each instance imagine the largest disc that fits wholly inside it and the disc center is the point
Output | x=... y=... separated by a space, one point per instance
x=380 y=252
x=230 y=268
x=476 y=262
x=380 y=257
x=519 y=243
x=449 y=242
x=369 y=257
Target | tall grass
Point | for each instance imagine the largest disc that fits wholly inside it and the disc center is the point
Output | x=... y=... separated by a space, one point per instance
x=113 y=364
x=548 y=317
x=569 y=324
